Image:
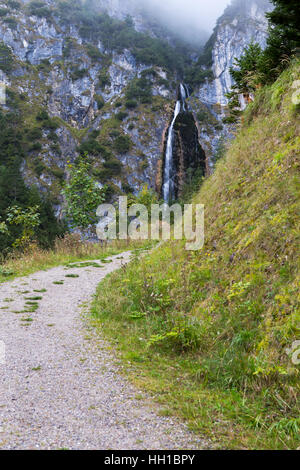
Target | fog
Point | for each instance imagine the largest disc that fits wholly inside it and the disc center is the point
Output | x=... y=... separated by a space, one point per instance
x=189 y=18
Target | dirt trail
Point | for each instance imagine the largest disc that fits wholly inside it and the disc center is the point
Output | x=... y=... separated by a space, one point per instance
x=59 y=386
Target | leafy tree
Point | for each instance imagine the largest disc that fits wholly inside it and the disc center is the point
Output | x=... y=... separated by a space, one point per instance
x=246 y=79
x=257 y=67
x=245 y=73
x=83 y=195
x=27 y=219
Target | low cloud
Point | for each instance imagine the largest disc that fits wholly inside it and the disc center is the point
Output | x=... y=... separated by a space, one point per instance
x=190 y=18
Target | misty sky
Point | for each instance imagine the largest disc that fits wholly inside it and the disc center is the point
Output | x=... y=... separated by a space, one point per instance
x=193 y=14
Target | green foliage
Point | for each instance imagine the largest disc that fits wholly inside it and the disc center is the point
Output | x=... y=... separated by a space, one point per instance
x=247 y=79
x=83 y=195
x=93 y=52
x=122 y=144
x=78 y=74
x=139 y=89
x=11 y=22
x=104 y=79
x=13 y=191
x=6 y=58
x=39 y=9
x=257 y=67
x=3 y=12
x=147 y=197
x=196 y=74
x=245 y=69
x=28 y=219
x=210 y=329
x=121 y=115
x=131 y=104
x=116 y=35
x=13 y=4
x=100 y=101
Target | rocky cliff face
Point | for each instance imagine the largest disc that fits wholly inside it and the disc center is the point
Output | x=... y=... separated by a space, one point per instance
x=235 y=30
x=82 y=86
x=242 y=23
x=77 y=92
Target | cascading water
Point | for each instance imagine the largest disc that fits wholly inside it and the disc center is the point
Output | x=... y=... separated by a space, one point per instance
x=168 y=185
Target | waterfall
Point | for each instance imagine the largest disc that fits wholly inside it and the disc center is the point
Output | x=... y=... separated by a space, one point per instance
x=168 y=181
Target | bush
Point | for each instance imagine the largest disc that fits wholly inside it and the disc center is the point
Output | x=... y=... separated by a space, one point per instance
x=104 y=79
x=114 y=165
x=93 y=52
x=42 y=115
x=139 y=89
x=131 y=104
x=121 y=116
x=100 y=101
x=39 y=9
x=11 y=22
x=13 y=4
x=34 y=134
x=78 y=74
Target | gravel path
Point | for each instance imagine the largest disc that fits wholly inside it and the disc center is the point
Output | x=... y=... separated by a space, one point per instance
x=59 y=385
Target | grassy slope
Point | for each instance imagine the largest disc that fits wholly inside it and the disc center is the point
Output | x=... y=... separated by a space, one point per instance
x=206 y=332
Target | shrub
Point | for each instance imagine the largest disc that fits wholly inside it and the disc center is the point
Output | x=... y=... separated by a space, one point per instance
x=121 y=116
x=139 y=89
x=11 y=22
x=104 y=79
x=78 y=74
x=3 y=12
x=34 y=134
x=100 y=101
x=6 y=58
x=42 y=115
x=131 y=104
x=93 y=52
x=39 y=9
x=114 y=165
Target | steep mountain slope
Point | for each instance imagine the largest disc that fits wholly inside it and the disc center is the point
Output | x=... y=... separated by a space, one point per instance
x=213 y=333
x=243 y=22
x=91 y=73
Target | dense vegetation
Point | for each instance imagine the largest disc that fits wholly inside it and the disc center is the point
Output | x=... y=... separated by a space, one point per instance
x=15 y=194
x=208 y=334
x=115 y=35
x=257 y=67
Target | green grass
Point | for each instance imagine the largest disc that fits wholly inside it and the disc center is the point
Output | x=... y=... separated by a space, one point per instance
x=206 y=333
x=67 y=251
